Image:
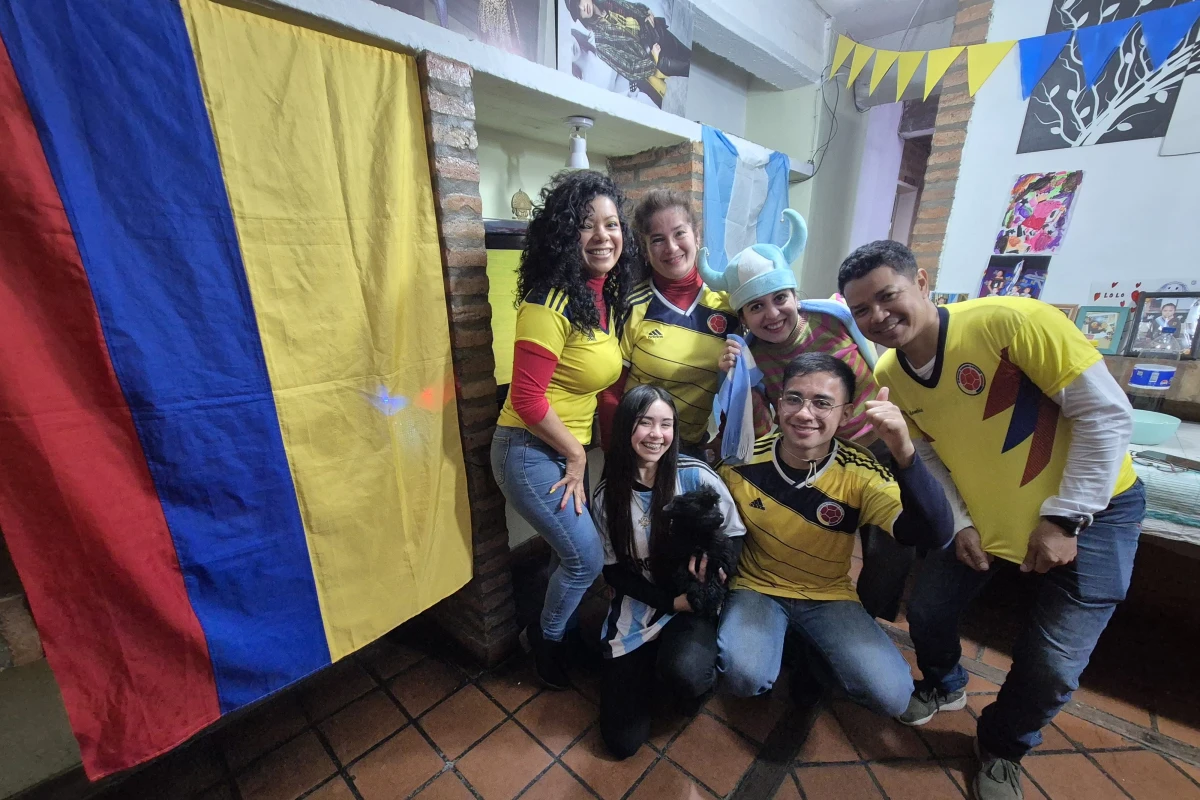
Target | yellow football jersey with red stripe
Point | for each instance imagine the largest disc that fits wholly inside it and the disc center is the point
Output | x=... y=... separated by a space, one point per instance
x=987 y=410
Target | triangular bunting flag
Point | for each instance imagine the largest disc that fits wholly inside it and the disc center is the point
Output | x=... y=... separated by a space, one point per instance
x=1097 y=43
x=939 y=61
x=841 y=53
x=908 y=67
x=862 y=54
x=982 y=60
x=1037 y=54
x=1164 y=29
x=883 y=62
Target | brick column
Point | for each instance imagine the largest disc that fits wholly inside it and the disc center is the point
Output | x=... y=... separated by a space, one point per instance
x=950 y=133
x=481 y=616
x=678 y=167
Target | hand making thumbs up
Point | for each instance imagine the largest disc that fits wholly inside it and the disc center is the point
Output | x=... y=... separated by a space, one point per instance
x=891 y=427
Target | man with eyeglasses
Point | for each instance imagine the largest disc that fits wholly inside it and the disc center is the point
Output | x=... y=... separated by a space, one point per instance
x=803 y=496
x=1021 y=420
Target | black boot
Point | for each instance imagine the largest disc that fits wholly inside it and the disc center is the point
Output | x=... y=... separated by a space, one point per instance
x=548 y=658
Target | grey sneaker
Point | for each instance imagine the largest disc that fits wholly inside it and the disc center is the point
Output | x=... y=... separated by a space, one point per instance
x=924 y=703
x=998 y=778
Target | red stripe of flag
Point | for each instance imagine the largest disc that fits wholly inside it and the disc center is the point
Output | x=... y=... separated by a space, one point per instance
x=112 y=609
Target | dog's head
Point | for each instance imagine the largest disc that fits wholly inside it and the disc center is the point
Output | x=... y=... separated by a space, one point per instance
x=698 y=510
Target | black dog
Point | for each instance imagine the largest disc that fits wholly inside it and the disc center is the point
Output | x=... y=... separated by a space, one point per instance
x=695 y=530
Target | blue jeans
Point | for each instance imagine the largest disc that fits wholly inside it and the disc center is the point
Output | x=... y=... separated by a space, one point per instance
x=525 y=468
x=1072 y=606
x=855 y=654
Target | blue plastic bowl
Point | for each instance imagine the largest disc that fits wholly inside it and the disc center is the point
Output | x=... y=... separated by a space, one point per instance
x=1150 y=427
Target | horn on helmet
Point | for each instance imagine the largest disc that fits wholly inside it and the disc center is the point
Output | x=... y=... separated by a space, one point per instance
x=798 y=238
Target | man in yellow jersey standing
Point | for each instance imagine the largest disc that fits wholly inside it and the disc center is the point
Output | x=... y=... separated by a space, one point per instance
x=1029 y=433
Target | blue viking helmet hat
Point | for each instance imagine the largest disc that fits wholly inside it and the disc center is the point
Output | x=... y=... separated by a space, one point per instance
x=760 y=269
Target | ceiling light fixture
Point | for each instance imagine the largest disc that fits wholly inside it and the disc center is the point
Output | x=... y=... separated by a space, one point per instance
x=577 y=157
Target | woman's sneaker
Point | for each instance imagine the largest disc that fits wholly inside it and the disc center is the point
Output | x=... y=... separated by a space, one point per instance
x=924 y=703
x=548 y=658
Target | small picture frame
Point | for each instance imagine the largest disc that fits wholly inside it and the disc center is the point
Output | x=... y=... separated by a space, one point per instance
x=1103 y=326
x=1069 y=310
x=1158 y=310
x=945 y=298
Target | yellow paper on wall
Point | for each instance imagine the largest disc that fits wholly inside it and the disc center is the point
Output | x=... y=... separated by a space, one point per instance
x=322 y=144
x=502 y=288
x=883 y=62
x=908 y=65
x=939 y=61
x=982 y=60
x=862 y=54
x=841 y=53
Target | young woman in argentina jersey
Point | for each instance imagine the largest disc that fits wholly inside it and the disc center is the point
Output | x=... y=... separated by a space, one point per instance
x=675 y=328
x=649 y=633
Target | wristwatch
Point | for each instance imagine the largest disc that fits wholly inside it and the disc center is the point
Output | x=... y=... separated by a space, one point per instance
x=1071 y=525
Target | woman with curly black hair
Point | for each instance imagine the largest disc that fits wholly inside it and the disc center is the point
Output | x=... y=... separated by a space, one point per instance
x=574 y=276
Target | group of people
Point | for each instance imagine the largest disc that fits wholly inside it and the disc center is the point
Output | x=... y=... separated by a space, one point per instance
x=1004 y=439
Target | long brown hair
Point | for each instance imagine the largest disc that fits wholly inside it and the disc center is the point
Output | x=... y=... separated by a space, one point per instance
x=620 y=471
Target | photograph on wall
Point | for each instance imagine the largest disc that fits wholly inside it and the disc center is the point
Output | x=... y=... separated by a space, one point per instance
x=945 y=298
x=1103 y=326
x=1015 y=276
x=641 y=50
x=1177 y=313
x=511 y=25
x=1130 y=99
x=1125 y=293
x=1039 y=207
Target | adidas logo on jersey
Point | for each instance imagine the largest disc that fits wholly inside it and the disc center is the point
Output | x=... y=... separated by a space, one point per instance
x=655 y=334
x=758 y=503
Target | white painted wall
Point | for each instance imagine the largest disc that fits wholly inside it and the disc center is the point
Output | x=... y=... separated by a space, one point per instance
x=717 y=92
x=508 y=162
x=875 y=198
x=779 y=41
x=1136 y=211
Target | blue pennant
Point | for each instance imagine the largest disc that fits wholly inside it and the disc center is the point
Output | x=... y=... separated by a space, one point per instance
x=1037 y=54
x=1164 y=29
x=1097 y=43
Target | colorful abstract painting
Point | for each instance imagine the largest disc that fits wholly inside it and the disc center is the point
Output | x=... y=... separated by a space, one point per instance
x=1038 y=210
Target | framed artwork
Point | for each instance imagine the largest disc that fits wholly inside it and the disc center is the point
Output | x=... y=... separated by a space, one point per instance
x=1070 y=311
x=1103 y=326
x=1014 y=276
x=944 y=298
x=1158 y=310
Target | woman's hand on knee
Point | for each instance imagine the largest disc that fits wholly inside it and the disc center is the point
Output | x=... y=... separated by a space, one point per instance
x=572 y=482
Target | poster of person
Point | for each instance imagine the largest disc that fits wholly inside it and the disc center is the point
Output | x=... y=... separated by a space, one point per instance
x=642 y=50
x=511 y=25
x=1015 y=276
x=945 y=298
x=1038 y=209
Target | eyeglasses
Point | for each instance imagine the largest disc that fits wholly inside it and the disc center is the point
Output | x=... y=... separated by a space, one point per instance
x=821 y=408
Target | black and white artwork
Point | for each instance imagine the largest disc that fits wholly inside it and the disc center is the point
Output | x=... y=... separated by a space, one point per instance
x=1129 y=100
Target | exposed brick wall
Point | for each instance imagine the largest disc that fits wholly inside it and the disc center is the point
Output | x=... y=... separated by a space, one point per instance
x=950 y=132
x=679 y=167
x=482 y=616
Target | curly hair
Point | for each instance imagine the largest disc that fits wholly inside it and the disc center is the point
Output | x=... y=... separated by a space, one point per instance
x=553 y=258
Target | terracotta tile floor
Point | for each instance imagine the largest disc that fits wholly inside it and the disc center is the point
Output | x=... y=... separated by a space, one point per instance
x=405 y=719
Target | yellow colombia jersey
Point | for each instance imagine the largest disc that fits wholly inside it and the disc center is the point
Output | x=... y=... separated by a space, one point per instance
x=586 y=364
x=799 y=539
x=677 y=350
x=987 y=410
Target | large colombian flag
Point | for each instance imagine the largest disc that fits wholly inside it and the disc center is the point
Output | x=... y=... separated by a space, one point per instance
x=228 y=447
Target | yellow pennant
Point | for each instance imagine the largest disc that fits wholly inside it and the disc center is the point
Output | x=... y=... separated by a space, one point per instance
x=862 y=54
x=909 y=62
x=939 y=61
x=982 y=60
x=844 y=46
x=883 y=62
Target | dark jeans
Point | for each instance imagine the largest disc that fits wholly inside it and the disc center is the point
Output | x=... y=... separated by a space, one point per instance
x=1072 y=605
x=683 y=659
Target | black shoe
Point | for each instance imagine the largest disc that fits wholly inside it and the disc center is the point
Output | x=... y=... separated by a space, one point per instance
x=548 y=658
